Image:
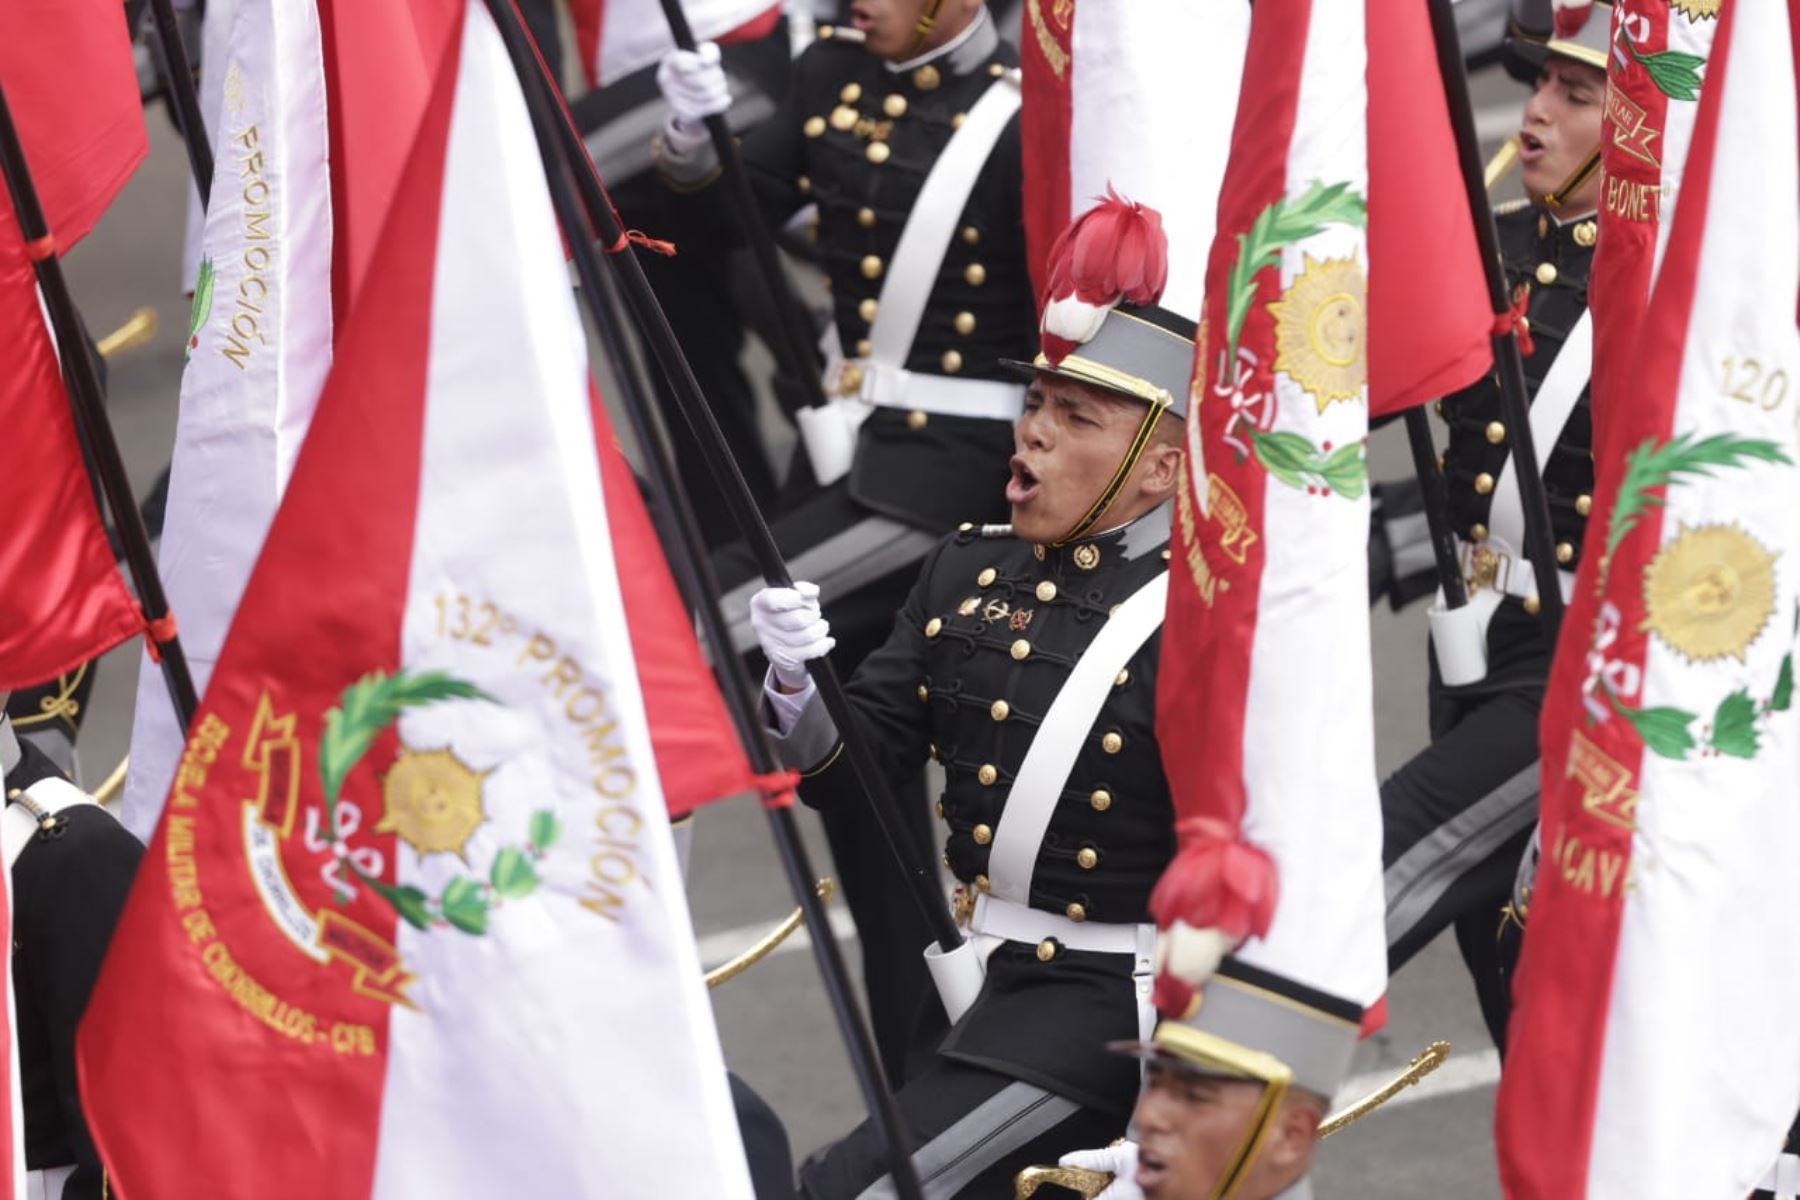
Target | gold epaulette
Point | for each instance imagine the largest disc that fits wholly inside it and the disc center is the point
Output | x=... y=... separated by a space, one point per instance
x=1506 y=207
x=848 y=35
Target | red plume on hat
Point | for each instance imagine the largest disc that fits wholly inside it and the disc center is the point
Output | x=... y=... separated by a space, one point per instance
x=1568 y=16
x=1115 y=251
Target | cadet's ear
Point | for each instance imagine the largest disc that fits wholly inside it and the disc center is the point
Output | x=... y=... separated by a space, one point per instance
x=1162 y=460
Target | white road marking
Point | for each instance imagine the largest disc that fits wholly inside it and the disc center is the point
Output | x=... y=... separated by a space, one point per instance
x=1460 y=1072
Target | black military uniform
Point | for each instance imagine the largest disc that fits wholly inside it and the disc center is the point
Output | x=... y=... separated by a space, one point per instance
x=49 y=715
x=69 y=886
x=858 y=138
x=981 y=648
x=1459 y=815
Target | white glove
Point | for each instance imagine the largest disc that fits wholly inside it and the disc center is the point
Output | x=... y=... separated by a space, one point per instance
x=693 y=83
x=791 y=629
x=1189 y=954
x=1119 y=1160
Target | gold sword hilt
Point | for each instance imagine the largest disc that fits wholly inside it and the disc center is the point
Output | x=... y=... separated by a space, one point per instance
x=1423 y=1064
x=138 y=329
x=1504 y=160
x=1079 y=1180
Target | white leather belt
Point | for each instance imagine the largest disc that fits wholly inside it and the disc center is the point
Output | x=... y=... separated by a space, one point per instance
x=1490 y=565
x=883 y=386
x=1783 y=1178
x=1018 y=923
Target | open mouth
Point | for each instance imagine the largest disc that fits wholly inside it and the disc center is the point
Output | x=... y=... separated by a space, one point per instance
x=1023 y=485
x=1150 y=1171
x=1531 y=147
x=860 y=18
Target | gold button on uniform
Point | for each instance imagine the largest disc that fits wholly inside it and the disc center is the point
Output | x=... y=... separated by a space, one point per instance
x=940 y=810
x=951 y=361
x=971 y=236
x=843 y=118
x=1496 y=432
x=1075 y=912
x=1484 y=483
x=1021 y=650
x=926 y=78
x=865 y=217
x=982 y=835
x=981 y=883
x=1584 y=504
x=932 y=626
x=924 y=692
x=863 y=347
x=964 y=323
x=868 y=308
x=996 y=70
x=814 y=127
x=1546 y=273
x=871 y=266
x=1112 y=743
x=1046 y=950
x=1086 y=556
x=1478 y=532
x=1122 y=678
x=1100 y=800
x=894 y=105
x=1564 y=552
x=987 y=774
x=827 y=32
x=1585 y=233
x=999 y=709
x=974 y=274
x=956 y=122
x=987 y=576
x=878 y=152
x=1086 y=858
x=851 y=94
x=804 y=184
x=916 y=420
x=1046 y=591
x=1532 y=605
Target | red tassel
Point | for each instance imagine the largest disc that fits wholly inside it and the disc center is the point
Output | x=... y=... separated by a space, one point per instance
x=777 y=788
x=1115 y=251
x=1216 y=882
x=1513 y=321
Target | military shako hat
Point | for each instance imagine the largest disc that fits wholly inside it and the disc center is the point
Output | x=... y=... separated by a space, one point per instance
x=1580 y=30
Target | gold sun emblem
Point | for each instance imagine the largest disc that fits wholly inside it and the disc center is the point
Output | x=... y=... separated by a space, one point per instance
x=1696 y=10
x=433 y=801
x=1709 y=592
x=1320 y=330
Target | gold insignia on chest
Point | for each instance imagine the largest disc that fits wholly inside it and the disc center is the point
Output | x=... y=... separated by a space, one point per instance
x=1086 y=556
x=995 y=610
x=967 y=607
x=1021 y=620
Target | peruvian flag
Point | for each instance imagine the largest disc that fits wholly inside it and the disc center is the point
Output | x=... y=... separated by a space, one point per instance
x=617 y=37
x=66 y=70
x=412 y=923
x=1110 y=88
x=1654 y=78
x=1654 y=1034
x=1264 y=701
x=258 y=348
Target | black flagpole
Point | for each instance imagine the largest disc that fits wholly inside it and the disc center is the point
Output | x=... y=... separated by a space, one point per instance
x=695 y=570
x=800 y=349
x=87 y=400
x=922 y=883
x=1437 y=507
x=1540 y=543
x=178 y=74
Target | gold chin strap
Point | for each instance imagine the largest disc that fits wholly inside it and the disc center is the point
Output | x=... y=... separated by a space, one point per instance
x=1108 y=494
x=1559 y=196
x=927 y=20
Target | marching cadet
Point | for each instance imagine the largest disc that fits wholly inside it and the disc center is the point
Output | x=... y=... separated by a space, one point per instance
x=1459 y=816
x=71 y=865
x=1024 y=662
x=902 y=129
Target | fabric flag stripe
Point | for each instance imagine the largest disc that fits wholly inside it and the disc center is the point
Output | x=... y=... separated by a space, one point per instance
x=1109 y=87
x=1267 y=643
x=1639 y=942
x=259 y=345
x=416 y=864
x=617 y=37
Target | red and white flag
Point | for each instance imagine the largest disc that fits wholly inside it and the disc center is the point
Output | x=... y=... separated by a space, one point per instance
x=1654 y=1036
x=72 y=91
x=617 y=37
x=1136 y=98
x=412 y=923
x=1264 y=704
x=258 y=348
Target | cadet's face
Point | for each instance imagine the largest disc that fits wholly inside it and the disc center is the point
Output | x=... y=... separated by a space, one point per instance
x=890 y=26
x=1070 y=440
x=1561 y=127
x=1190 y=1127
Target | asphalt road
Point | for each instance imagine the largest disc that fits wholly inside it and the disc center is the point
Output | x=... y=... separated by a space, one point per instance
x=775 y=1024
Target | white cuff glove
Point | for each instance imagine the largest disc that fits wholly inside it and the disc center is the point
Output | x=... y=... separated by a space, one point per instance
x=791 y=630
x=1119 y=1160
x=693 y=83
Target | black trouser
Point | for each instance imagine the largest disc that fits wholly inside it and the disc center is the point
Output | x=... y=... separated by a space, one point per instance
x=1458 y=816
x=971 y=1130
x=821 y=541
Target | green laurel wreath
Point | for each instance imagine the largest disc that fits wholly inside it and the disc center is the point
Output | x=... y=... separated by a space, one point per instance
x=203 y=298
x=1276 y=226
x=1675 y=73
x=1295 y=461
x=369 y=706
x=1733 y=730
x=1650 y=466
